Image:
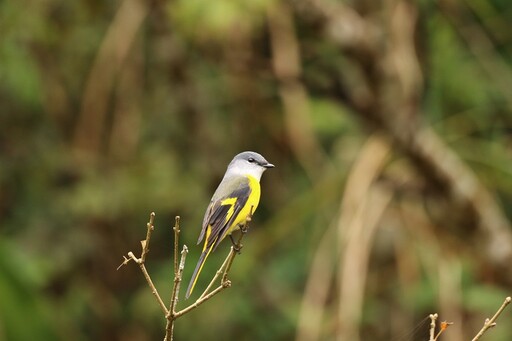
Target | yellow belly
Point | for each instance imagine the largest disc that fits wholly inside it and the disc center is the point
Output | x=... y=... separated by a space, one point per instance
x=250 y=205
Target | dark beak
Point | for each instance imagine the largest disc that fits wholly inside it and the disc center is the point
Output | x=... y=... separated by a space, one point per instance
x=268 y=165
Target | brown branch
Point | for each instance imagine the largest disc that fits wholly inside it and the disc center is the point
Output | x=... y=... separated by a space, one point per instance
x=362 y=205
x=433 y=318
x=224 y=283
x=178 y=269
x=286 y=63
x=140 y=261
x=145 y=243
x=224 y=269
x=202 y=300
x=316 y=291
x=108 y=63
x=386 y=76
x=178 y=275
x=176 y=230
x=217 y=274
x=492 y=322
x=171 y=317
x=171 y=314
x=489 y=323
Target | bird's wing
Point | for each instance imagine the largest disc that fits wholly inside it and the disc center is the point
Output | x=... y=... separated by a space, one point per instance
x=224 y=209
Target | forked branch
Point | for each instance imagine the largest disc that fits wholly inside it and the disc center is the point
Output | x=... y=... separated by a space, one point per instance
x=142 y=259
x=170 y=313
x=489 y=323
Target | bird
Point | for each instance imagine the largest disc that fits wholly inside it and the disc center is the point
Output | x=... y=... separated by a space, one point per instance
x=236 y=197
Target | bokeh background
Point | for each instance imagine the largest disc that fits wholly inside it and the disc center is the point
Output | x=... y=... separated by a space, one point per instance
x=389 y=122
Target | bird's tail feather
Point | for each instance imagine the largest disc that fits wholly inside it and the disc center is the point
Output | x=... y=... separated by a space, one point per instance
x=197 y=271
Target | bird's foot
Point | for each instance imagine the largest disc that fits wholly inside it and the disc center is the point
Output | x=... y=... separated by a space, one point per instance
x=236 y=246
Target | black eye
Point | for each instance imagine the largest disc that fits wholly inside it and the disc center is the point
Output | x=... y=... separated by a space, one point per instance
x=251 y=160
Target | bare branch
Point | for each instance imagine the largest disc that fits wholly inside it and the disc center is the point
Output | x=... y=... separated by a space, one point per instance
x=171 y=317
x=217 y=274
x=140 y=261
x=170 y=313
x=224 y=270
x=492 y=322
x=145 y=243
x=126 y=261
x=176 y=229
x=153 y=288
x=203 y=299
x=178 y=269
x=433 y=318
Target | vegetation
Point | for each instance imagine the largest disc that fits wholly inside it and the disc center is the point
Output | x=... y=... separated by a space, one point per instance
x=389 y=123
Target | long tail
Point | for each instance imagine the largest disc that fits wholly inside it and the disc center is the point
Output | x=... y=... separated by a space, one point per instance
x=197 y=271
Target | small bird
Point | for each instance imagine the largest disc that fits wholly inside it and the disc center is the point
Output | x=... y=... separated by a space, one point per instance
x=236 y=197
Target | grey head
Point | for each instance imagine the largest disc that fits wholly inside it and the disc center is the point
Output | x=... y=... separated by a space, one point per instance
x=248 y=163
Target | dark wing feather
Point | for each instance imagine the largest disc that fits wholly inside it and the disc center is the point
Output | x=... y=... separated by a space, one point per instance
x=216 y=214
x=219 y=230
x=206 y=217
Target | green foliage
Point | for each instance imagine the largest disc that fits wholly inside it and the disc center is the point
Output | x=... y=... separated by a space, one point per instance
x=21 y=280
x=204 y=19
x=197 y=85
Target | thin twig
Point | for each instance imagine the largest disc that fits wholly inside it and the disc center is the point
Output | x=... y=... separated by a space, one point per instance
x=225 y=283
x=176 y=229
x=217 y=274
x=224 y=269
x=492 y=322
x=236 y=248
x=153 y=288
x=171 y=317
x=140 y=261
x=170 y=314
x=178 y=269
x=116 y=47
x=145 y=243
x=200 y=301
x=433 y=318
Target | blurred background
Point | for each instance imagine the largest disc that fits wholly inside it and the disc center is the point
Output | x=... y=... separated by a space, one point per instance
x=389 y=123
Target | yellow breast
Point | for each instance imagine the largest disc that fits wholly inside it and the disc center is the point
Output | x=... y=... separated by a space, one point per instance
x=251 y=204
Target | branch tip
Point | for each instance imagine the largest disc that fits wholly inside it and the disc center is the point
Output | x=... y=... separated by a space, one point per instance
x=489 y=323
x=151 y=220
x=176 y=226
x=125 y=261
x=432 y=331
